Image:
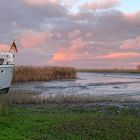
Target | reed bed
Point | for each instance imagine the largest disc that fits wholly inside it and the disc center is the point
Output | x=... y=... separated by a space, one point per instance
x=33 y=73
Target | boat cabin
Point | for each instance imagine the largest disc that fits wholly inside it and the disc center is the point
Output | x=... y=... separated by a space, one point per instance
x=6 y=58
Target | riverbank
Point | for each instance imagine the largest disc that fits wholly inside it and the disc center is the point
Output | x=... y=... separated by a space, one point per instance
x=34 y=73
x=37 y=98
x=70 y=116
x=132 y=71
x=25 y=116
x=70 y=121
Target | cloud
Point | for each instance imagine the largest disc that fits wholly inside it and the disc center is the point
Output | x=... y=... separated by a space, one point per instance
x=133 y=18
x=28 y=17
x=40 y=2
x=131 y=43
x=120 y=55
x=110 y=25
x=59 y=57
x=89 y=37
x=81 y=49
x=74 y=34
x=4 y=47
x=70 y=53
x=31 y=39
x=69 y=3
x=102 y=4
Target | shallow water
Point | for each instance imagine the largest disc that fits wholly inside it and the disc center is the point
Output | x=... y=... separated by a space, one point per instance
x=87 y=84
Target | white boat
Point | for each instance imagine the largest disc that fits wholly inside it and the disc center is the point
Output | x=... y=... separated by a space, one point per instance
x=6 y=69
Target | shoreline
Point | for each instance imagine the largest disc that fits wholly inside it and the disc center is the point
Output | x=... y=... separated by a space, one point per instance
x=129 y=71
x=31 y=98
x=86 y=106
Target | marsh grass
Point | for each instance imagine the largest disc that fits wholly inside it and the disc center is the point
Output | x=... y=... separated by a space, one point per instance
x=4 y=107
x=100 y=127
x=33 y=73
x=62 y=122
x=40 y=121
x=32 y=98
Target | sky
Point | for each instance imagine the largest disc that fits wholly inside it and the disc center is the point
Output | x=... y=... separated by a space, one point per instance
x=78 y=33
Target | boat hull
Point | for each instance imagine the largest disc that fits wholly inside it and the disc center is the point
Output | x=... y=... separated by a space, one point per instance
x=6 y=73
x=5 y=90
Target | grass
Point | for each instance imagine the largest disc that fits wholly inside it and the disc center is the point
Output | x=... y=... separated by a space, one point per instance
x=32 y=73
x=27 y=116
x=67 y=122
x=3 y=106
x=24 y=116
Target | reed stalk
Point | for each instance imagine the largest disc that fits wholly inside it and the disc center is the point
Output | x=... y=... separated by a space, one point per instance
x=32 y=73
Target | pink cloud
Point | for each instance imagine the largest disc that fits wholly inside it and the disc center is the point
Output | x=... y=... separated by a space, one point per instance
x=74 y=34
x=40 y=2
x=30 y=39
x=131 y=43
x=69 y=3
x=132 y=17
x=63 y=57
x=134 y=63
x=72 y=53
x=120 y=55
x=4 y=47
x=59 y=57
x=104 y=4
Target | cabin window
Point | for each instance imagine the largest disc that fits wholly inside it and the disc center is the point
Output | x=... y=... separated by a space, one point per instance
x=1 y=61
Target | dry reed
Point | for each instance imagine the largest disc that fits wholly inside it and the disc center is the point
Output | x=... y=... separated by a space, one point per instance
x=32 y=73
x=31 y=98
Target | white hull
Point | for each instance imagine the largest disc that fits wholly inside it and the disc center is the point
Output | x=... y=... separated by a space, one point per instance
x=6 y=73
x=6 y=68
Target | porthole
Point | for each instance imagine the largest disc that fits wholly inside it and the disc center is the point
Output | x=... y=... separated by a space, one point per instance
x=2 y=71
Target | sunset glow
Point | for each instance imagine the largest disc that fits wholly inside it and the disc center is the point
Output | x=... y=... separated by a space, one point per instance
x=4 y=47
x=82 y=33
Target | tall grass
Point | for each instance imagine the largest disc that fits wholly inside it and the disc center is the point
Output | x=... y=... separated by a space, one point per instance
x=6 y=100
x=3 y=105
x=32 y=73
x=32 y=98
